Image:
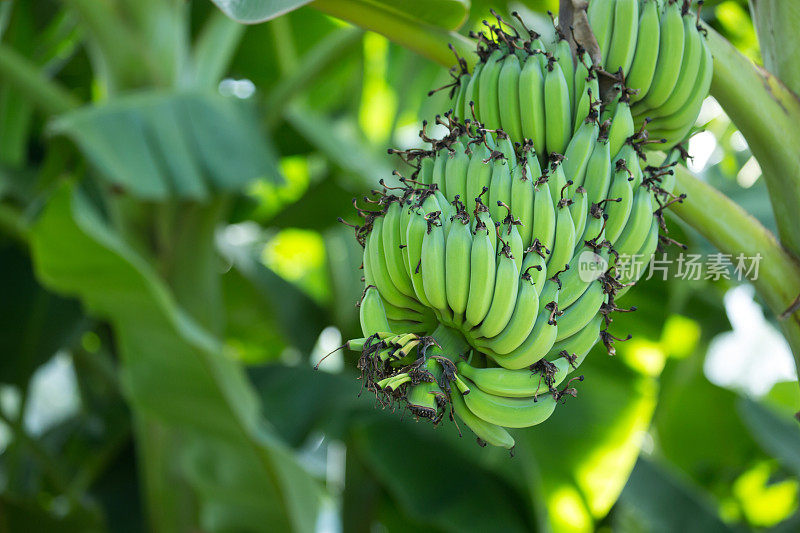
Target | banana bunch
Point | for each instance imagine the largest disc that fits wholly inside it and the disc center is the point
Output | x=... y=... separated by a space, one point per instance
x=654 y=53
x=493 y=269
x=658 y=48
x=475 y=297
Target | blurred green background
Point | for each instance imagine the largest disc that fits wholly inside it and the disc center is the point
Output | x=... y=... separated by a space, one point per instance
x=170 y=182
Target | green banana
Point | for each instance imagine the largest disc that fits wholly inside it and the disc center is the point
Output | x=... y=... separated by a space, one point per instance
x=479 y=175
x=508 y=94
x=522 y=383
x=521 y=322
x=485 y=431
x=532 y=104
x=619 y=209
x=623 y=38
x=505 y=296
x=393 y=255
x=371 y=313
x=500 y=187
x=510 y=412
x=433 y=266
x=488 y=101
x=544 y=216
x=522 y=194
x=580 y=343
x=601 y=19
x=564 y=244
x=557 y=112
x=541 y=337
x=581 y=312
x=576 y=158
x=635 y=232
x=670 y=55
x=483 y=267
x=645 y=57
x=457 y=266
x=455 y=173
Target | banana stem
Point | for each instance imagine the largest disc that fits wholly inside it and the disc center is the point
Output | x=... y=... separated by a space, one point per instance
x=766 y=113
x=451 y=343
x=732 y=230
x=26 y=77
x=428 y=41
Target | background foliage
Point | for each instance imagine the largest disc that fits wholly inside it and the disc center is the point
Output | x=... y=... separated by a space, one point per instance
x=169 y=186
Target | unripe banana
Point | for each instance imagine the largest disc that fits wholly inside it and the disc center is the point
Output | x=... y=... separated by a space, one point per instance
x=415 y=232
x=558 y=113
x=574 y=282
x=479 y=175
x=580 y=343
x=472 y=93
x=622 y=127
x=563 y=54
x=500 y=188
x=532 y=104
x=564 y=244
x=521 y=383
x=505 y=296
x=582 y=311
x=670 y=55
x=601 y=18
x=623 y=38
x=544 y=217
x=579 y=150
x=462 y=97
x=456 y=173
x=588 y=97
x=390 y=237
x=522 y=194
x=488 y=101
x=579 y=210
x=371 y=313
x=639 y=260
x=510 y=412
x=457 y=267
x=540 y=339
x=439 y=165
x=535 y=265
x=506 y=147
x=690 y=67
x=508 y=94
x=638 y=225
x=433 y=267
x=485 y=431
x=379 y=272
x=425 y=175
x=483 y=266
x=619 y=209
x=521 y=322
x=646 y=55
x=598 y=172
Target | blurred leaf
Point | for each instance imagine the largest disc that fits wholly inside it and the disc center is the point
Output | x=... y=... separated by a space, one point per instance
x=34 y=323
x=434 y=485
x=778 y=436
x=578 y=461
x=445 y=13
x=299 y=316
x=254 y=11
x=690 y=437
x=176 y=374
x=34 y=516
x=339 y=141
x=662 y=501
x=160 y=145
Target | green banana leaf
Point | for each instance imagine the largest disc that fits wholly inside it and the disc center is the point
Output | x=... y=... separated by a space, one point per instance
x=183 y=388
x=158 y=145
x=657 y=499
x=777 y=435
x=448 y=14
